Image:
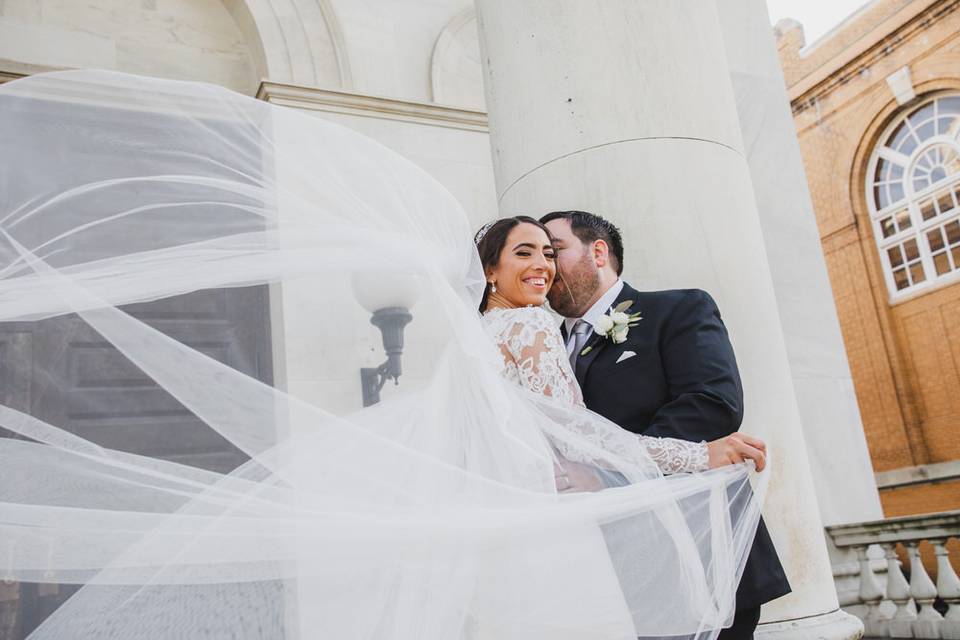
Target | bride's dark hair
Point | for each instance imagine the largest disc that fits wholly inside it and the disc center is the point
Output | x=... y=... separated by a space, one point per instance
x=490 y=240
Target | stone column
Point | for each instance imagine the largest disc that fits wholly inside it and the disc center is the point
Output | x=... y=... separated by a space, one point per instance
x=843 y=474
x=842 y=471
x=626 y=108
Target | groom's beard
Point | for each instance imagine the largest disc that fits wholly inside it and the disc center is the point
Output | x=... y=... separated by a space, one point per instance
x=573 y=289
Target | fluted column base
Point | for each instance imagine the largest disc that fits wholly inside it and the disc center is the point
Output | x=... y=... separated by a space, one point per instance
x=835 y=625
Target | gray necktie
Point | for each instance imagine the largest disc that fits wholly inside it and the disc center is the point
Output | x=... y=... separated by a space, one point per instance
x=578 y=337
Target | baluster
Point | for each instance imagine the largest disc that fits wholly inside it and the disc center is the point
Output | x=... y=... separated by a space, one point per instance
x=901 y=625
x=927 y=624
x=871 y=593
x=948 y=587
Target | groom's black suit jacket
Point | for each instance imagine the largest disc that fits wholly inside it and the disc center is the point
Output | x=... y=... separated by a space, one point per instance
x=682 y=383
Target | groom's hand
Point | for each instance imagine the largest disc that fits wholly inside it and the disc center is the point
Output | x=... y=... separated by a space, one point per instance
x=736 y=448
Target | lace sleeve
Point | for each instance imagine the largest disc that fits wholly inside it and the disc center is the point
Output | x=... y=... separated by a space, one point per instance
x=533 y=352
x=677 y=456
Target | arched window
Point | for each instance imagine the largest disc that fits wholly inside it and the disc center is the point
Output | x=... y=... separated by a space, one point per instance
x=913 y=189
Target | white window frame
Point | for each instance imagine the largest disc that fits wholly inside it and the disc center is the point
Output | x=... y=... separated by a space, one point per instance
x=918 y=227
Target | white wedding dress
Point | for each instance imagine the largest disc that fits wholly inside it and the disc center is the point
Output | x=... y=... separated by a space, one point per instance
x=535 y=358
x=131 y=210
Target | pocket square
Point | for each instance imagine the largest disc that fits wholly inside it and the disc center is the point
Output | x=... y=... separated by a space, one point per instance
x=624 y=356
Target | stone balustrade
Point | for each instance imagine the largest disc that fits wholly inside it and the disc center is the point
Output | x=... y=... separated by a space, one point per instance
x=902 y=607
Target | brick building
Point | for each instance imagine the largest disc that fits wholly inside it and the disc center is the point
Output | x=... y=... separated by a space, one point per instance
x=876 y=103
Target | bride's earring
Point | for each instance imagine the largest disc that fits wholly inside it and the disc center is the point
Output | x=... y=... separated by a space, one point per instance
x=493 y=287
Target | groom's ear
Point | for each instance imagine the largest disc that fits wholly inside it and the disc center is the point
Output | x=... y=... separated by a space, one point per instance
x=601 y=253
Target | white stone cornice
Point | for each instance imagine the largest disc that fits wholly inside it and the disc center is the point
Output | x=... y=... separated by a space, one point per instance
x=369 y=106
x=945 y=524
x=922 y=474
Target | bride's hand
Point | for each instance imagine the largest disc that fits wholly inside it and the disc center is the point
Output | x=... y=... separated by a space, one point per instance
x=735 y=448
x=575 y=477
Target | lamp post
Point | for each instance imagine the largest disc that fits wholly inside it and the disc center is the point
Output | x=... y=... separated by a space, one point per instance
x=389 y=298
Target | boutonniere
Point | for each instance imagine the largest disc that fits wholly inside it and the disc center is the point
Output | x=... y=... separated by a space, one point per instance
x=616 y=324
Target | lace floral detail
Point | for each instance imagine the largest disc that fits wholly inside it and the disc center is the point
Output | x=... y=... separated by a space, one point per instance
x=676 y=456
x=535 y=357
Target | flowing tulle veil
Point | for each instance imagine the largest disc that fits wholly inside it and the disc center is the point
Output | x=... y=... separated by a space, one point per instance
x=193 y=492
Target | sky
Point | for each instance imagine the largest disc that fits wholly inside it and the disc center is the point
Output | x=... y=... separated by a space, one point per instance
x=816 y=16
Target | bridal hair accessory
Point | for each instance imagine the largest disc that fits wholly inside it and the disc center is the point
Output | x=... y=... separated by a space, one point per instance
x=616 y=324
x=483 y=232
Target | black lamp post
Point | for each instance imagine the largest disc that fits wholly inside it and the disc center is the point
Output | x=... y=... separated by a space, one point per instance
x=391 y=322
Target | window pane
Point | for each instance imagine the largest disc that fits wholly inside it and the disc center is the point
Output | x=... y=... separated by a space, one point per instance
x=953 y=232
x=935 y=239
x=900 y=278
x=926 y=209
x=895 y=255
x=927 y=130
x=916 y=272
x=896 y=172
x=899 y=135
x=903 y=220
x=880 y=199
x=944 y=201
x=956 y=255
x=943 y=125
x=883 y=168
x=919 y=184
x=908 y=145
x=920 y=115
x=888 y=229
x=942 y=263
x=896 y=192
x=949 y=105
x=910 y=248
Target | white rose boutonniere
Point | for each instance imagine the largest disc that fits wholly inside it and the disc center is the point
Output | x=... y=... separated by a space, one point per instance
x=616 y=324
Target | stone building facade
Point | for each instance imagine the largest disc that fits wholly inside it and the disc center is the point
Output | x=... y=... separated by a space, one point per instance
x=876 y=104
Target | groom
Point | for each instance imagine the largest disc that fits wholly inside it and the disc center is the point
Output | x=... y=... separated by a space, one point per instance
x=674 y=376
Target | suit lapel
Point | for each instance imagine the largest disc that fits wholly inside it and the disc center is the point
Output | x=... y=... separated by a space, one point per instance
x=598 y=342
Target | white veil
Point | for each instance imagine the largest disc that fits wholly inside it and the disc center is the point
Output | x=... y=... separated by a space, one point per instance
x=151 y=233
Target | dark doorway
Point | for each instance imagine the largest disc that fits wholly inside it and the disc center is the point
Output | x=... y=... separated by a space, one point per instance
x=52 y=368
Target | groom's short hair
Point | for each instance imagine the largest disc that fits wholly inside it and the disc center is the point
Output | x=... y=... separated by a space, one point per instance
x=589 y=227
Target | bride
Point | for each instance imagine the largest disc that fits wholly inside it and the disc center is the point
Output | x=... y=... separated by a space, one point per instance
x=518 y=254
x=479 y=499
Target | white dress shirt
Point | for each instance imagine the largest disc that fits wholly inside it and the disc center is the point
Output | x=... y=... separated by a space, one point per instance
x=599 y=308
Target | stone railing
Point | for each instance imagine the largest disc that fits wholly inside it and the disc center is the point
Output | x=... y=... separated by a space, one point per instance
x=898 y=607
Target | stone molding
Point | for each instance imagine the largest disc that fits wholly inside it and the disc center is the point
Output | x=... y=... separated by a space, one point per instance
x=370 y=106
x=921 y=474
x=945 y=524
